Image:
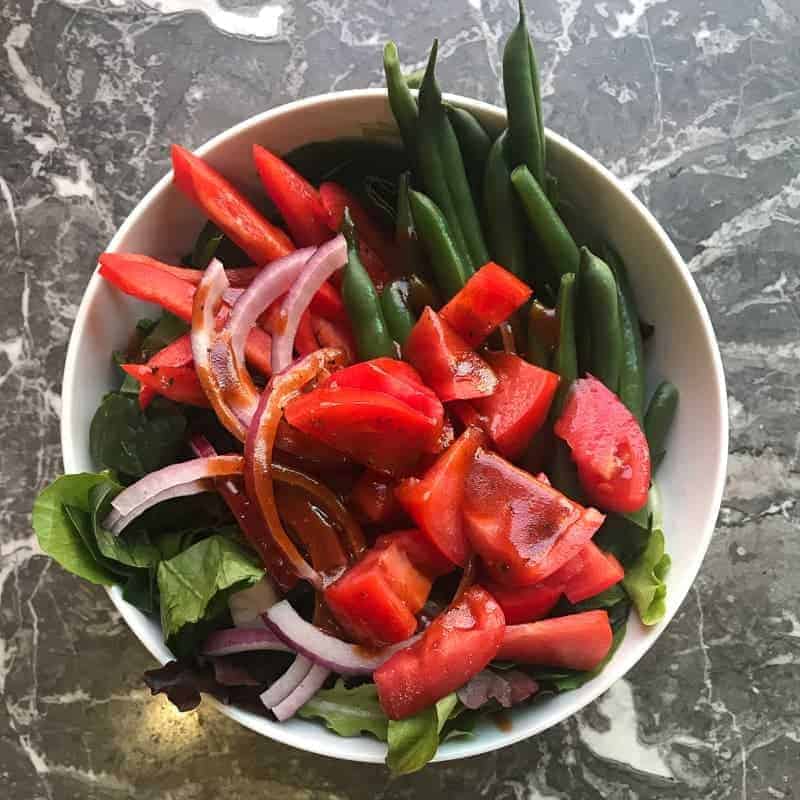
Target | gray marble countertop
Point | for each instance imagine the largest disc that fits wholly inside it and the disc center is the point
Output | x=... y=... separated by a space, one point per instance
x=695 y=105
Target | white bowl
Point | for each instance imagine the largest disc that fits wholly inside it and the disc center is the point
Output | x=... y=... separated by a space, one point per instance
x=164 y=225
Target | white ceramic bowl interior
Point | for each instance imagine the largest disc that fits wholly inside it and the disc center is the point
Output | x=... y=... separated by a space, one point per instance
x=164 y=225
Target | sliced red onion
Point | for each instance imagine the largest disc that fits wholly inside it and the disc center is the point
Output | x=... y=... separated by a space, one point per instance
x=328 y=651
x=231 y=295
x=328 y=258
x=227 y=673
x=507 y=688
x=272 y=282
x=116 y=523
x=176 y=480
x=247 y=606
x=242 y=640
x=304 y=691
x=287 y=683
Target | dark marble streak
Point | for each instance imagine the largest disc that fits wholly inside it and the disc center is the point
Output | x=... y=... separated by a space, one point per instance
x=695 y=105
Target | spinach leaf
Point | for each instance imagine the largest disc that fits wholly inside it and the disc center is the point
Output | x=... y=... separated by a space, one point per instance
x=413 y=741
x=194 y=586
x=58 y=517
x=349 y=712
x=644 y=580
x=166 y=331
x=134 y=442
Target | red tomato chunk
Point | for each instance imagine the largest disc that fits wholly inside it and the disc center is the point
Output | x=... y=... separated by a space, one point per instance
x=488 y=298
x=434 y=501
x=459 y=643
x=446 y=362
x=578 y=641
x=608 y=447
x=522 y=529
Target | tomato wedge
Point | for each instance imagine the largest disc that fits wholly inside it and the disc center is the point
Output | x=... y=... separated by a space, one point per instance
x=522 y=529
x=608 y=446
x=228 y=208
x=578 y=641
x=397 y=379
x=135 y=275
x=376 y=599
x=175 y=354
x=488 y=298
x=373 y=428
x=434 y=501
x=459 y=643
x=373 y=498
x=446 y=362
x=295 y=198
x=180 y=384
x=525 y=603
x=519 y=407
x=334 y=333
x=598 y=571
x=421 y=553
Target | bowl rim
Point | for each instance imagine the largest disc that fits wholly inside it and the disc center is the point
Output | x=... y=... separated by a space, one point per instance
x=615 y=669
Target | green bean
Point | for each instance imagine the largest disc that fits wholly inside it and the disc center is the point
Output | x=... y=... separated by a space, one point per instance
x=599 y=299
x=523 y=101
x=442 y=168
x=206 y=246
x=558 y=245
x=397 y=312
x=421 y=293
x=449 y=268
x=503 y=215
x=631 y=373
x=402 y=102
x=405 y=234
x=474 y=143
x=565 y=358
x=563 y=473
x=538 y=352
x=542 y=338
x=362 y=302
x=658 y=419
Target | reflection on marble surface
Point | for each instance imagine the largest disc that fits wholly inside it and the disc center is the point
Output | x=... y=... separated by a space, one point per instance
x=694 y=105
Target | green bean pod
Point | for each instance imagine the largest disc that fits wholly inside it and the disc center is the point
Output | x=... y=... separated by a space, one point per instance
x=474 y=144
x=523 y=101
x=402 y=102
x=449 y=268
x=631 y=372
x=658 y=420
x=442 y=168
x=503 y=215
x=565 y=357
x=397 y=312
x=412 y=258
x=538 y=352
x=556 y=241
x=362 y=302
x=599 y=298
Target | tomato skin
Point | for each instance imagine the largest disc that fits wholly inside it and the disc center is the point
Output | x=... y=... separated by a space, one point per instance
x=372 y=428
x=376 y=599
x=175 y=354
x=577 y=641
x=519 y=407
x=599 y=571
x=434 y=501
x=522 y=529
x=525 y=603
x=334 y=333
x=422 y=554
x=459 y=643
x=446 y=362
x=373 y=498
x=180 y=384
x=608 y=447
x=228 y=208
x=297 y=200
x=398 y=380
x=488 y=298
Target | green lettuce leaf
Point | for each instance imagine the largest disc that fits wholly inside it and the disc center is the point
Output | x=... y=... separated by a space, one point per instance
x=413 y=741
x=349 y=712
x=194 y=585
x=60 y=513
x=644 y=581
x=134 y=442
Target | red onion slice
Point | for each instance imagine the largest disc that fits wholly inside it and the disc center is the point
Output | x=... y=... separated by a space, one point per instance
x=325 y=650
x=304 y=691
x=287 y=683
x=187 y=477
x=272 y=282
x=242 y=640
x=328 y=258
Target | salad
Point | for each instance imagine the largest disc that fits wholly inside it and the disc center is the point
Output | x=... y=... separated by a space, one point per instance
x=383 y=458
